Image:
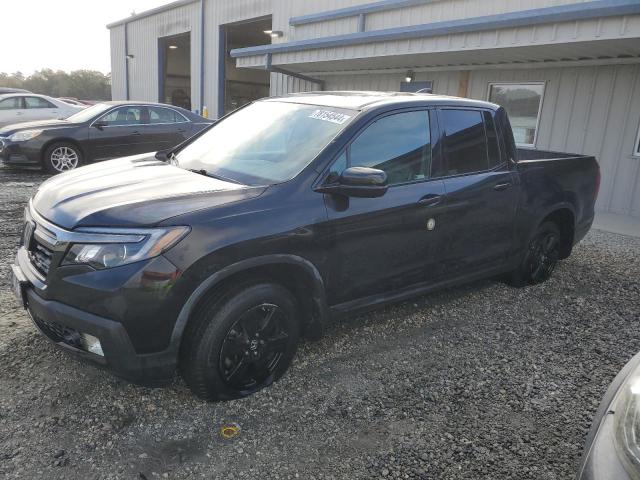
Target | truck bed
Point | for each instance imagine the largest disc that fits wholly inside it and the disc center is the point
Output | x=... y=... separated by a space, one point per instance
x=529 y=154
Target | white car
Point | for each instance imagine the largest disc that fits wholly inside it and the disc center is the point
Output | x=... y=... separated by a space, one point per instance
x=27 y=107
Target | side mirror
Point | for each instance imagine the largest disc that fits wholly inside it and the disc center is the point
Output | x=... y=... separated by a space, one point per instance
x=362 y=182
x=99 y=125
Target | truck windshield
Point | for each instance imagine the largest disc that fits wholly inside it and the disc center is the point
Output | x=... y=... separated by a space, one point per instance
x=264 y=143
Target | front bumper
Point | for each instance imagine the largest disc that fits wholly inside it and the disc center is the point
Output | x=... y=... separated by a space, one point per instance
x=119 y=355
x=25 y=154
x=130 y=309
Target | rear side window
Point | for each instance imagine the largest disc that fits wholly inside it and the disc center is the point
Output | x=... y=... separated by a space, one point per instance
x=399 y=144
x=164 y=115
x=12 y=103
x=37 y=102
x=465 y=144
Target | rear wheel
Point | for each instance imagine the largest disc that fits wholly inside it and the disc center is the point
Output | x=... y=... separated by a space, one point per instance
x=61 y=157
x=240 y=341
x=541 y=257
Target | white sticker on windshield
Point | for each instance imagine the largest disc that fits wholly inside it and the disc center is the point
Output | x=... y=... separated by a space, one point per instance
x=328 y=116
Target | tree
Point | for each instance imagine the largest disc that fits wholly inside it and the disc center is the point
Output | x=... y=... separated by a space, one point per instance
x=82 y=84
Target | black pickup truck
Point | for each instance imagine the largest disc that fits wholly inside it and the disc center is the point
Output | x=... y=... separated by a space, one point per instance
x=215 y=257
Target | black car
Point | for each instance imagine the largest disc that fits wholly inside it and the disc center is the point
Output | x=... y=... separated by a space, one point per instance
x=284 y=214
x=102 y=131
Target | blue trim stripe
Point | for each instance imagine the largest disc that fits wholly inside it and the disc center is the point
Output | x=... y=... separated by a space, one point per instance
x=357 y=10
x=564 y=13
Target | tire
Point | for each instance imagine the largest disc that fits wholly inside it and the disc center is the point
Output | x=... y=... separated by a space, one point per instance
x=230 y=349
x=61 y=157
x=541 y=257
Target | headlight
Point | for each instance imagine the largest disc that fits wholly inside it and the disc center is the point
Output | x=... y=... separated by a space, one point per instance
x=627 y=422
x=24 y=135
x=147 y=243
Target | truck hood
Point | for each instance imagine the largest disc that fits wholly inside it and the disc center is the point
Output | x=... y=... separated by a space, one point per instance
x=131 y=192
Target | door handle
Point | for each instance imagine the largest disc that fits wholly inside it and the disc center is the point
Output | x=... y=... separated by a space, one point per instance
x=135 y=133
x=181 y=130
x=502 y=186
x=430 y=200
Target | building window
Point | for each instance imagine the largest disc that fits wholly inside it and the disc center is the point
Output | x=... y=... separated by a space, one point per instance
x=523 y=103
x=413 y=86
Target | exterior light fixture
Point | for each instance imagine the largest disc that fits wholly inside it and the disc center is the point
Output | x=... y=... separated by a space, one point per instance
x=129 y=56
x=274 y=33
x=409 y=77
x=173 y=47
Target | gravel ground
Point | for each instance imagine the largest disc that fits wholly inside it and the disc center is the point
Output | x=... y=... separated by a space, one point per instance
x=482 y=381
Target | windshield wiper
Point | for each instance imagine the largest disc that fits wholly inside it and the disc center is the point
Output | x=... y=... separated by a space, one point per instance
x=202 y=171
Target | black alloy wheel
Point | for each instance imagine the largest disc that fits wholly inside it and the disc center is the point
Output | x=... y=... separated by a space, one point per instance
x=541 y=257
x=240 y=340
x=254 y=346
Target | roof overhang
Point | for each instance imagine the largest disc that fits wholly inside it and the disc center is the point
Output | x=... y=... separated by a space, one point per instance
x=585 y=31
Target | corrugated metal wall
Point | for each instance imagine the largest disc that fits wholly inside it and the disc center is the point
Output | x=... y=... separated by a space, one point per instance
x=118 y=86
x=592 y=110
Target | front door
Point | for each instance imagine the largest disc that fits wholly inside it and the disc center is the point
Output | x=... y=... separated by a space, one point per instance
x=382 y=245
x=12 y=111
x=482 y=193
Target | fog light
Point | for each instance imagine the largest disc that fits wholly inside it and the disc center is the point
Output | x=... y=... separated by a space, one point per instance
x=91 y=344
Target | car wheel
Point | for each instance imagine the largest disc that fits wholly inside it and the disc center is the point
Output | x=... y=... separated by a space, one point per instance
x=240 y=341
x=61 y=157
x=541 y=257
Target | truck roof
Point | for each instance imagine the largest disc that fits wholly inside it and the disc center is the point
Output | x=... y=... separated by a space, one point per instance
x=361 y=100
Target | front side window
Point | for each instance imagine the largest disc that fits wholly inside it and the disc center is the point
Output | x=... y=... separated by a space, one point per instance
x=523 y=102
x=37 y=102
x=398 y=144
x=465 y=143
x=164 y=115
x=123 y=116
x=11 y=103
x=266 y=142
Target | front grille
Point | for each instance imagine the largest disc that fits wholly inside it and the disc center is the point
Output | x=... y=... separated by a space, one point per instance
x=40 y=256
x=57 y=332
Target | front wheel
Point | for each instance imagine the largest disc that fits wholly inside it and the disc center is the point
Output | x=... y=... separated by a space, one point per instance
x=61 y=157
x=541 y=257
x=240 y=341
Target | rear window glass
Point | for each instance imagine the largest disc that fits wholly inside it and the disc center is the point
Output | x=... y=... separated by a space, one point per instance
x=465 y=144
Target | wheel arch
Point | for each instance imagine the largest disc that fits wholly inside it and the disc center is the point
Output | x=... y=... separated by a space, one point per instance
x=53 y=141
x=295 y=273
x=564 y=217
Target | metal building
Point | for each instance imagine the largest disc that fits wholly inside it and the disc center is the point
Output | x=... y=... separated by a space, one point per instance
x=568 y=71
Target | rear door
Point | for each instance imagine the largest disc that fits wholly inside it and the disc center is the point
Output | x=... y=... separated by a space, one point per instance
x=38 y=108
x=166 y=128
x=12 y=110
x=118 y=133
x=482 y=193
x=382 y=245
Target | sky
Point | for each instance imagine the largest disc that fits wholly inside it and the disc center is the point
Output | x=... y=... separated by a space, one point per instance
x=61 y=34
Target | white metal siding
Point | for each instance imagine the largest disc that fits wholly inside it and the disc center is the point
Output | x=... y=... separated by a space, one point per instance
x=118 y=87
x=221 y=12
x=143 y=35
